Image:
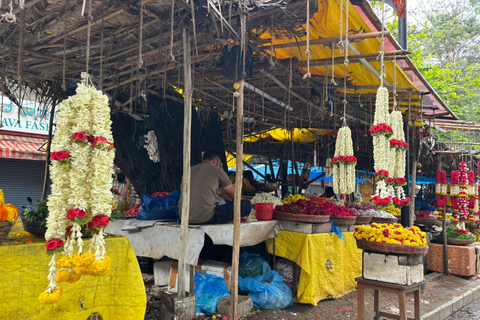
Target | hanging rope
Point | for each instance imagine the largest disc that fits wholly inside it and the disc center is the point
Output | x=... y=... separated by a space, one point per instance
x=9 y=16
x=395 y=83
x=340 y=43
x=382 y=47
x=140 y=36
x=345 y=63
x=308 y=74
x=89 y=22
x=64 y=62
x=332 y=79
x=3 y=73
x=172 y=20
x=243 y=45
x=271 y=62
x=101 y=48
x=20 y=64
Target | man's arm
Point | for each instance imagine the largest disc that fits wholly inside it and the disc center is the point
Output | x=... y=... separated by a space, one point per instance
x=230 y=190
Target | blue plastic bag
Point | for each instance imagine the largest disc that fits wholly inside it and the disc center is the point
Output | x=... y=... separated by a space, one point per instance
x=267 y=291
x=159 y=208
x=250 y=264
x=337 y=231
x=210 y=290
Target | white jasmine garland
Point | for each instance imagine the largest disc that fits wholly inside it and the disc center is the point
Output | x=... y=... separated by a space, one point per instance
x=454 y=190
x=380 y=152
x=381 y=106
x=344 y=172
x=336 y=179
x=443 y=189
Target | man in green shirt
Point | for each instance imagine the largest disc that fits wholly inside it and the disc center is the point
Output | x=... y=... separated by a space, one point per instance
x=206 y=179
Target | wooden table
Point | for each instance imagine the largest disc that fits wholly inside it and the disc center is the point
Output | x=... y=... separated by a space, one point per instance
x=378 y=286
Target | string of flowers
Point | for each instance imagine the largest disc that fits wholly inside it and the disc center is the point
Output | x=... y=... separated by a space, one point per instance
x=344 y=163
x=441 y=189
x=463 y=194
x=381 y=132
x=81 y=182
x=471 y=195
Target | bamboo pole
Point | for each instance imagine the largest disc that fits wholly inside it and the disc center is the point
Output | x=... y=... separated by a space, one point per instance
x=414 y=176
x=237 y=204
x=187 y=132
x=444 y=228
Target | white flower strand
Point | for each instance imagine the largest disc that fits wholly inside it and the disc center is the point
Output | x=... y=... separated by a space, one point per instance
x=381 y=106
x=99 y=246
x=343 y=172
x=52 y=275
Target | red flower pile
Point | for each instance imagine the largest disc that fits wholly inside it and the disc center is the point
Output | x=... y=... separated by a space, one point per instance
x=398 y=144
x=312 y=208
x=381 y=128
x=60 y=155
x=464 y=231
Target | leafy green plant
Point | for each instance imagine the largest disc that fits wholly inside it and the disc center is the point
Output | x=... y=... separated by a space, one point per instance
x=37 y=213
x=452 y=233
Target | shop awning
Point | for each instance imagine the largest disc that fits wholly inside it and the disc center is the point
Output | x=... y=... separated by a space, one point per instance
x=18 y=147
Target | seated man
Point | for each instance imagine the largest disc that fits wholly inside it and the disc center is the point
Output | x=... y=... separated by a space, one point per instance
x=248 y=174
x=206 y=179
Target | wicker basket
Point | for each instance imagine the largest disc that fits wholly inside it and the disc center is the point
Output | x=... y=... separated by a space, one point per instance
x=5 y=228
x=427 y=222
x=343 y=221
x=391 y=248
x=37 y=228
x=455 y=242
x=300 y=217
x=363 y=220
x=384 y=220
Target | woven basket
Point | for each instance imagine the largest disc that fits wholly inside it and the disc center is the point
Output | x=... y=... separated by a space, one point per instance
x=455 y=242
x=37 y=228
x=5 y=228
x=447 y=222
x=391 y=248
x=300 y=217
x=343 y=221
x=363 y=220
x=427 y=222
x=384 y=220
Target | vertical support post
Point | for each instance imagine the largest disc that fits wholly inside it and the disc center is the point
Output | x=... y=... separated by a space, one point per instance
x=187 y=132
x=237 y=205
x=444 y=228
x=403 y=29
x=49 y=144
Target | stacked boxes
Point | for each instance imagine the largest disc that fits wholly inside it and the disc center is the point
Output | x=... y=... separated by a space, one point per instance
x=461 y=259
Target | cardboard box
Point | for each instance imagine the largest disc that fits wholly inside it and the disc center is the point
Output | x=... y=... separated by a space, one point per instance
x=461 y=259
x=393 y=268
x=216 y=268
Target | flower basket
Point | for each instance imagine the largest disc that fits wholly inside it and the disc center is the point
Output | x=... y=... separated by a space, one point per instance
x=427 y=222
x=455 y=242
x=37 y=228
x=384 y=220
x=363 y=220
x=447 y=222
x=301 y=217
x=391 y=248
x=5 y=228
x=343 y=221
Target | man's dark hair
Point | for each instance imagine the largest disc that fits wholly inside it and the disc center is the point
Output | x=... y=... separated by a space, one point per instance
x=248 y=174
x=210 y=155
x=329 y=191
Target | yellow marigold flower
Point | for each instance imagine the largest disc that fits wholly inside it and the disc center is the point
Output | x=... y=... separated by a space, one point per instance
x=84 y=260
x=62 y=276
x=47 y=297
x=74 y=277
x=66 y=262
x=100 y=268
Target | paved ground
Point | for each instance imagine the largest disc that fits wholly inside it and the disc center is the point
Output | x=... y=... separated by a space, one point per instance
x=470 y=312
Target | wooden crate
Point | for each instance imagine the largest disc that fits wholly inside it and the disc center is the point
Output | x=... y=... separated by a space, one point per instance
x=461 y=259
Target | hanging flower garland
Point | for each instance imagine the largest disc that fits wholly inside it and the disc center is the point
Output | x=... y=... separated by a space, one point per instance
x=344 y=163
x=441 y=189
x=463 y=194
x=471 y=194
x=81 y=173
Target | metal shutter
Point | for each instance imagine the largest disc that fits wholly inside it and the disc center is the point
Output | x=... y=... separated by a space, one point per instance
x=20 y=179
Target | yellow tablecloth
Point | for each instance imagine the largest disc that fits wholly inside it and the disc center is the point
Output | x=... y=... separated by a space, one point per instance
x=328 y=265
x=118 y=295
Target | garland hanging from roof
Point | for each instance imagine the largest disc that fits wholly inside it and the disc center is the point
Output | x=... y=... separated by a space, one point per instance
x=344 y=163
x=81 y=171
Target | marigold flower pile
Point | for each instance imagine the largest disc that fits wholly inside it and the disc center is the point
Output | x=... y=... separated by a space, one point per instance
x=391 y=234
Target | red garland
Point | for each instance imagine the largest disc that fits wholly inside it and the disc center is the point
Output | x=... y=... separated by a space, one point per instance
x=60 y=155
x=381 y=128
x=398 y=144
x=454 y=177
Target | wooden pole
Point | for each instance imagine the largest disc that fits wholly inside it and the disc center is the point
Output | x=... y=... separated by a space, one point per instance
x=444 y=228
x=187 y=133
x=49 y=144
x=237 y=205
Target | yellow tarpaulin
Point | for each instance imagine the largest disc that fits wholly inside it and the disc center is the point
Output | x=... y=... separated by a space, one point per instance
x=232 y=161
x=329 y=265
x=118 y=295
x=279 y=134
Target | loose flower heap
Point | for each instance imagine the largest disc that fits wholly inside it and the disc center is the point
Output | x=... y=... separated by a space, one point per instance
x=81 y=173
x=463 y=194
x=392 y=234
x=344 y=163
x=293 y=198
x=8 y=212
x=441 y=189
x=314 y=208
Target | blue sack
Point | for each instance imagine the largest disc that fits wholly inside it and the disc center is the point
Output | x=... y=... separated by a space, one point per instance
x=267 y=291
x=250 y=264
x=159 y=208
x=209 y=290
